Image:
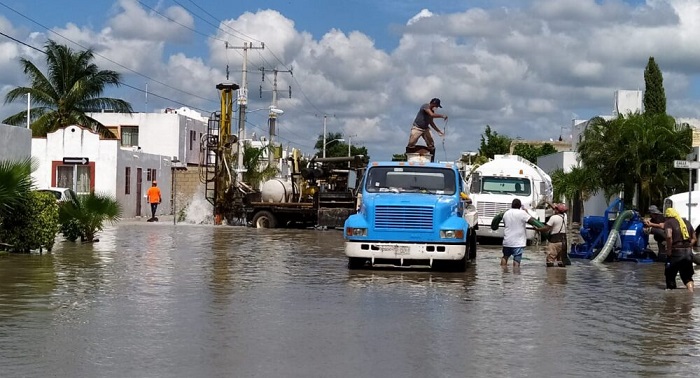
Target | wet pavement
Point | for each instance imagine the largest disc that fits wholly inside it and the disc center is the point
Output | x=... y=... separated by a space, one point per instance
x=157 y=300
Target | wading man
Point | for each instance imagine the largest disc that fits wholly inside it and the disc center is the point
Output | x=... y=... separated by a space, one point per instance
x=679 y=251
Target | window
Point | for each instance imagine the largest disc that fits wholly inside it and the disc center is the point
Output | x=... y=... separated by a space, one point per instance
x=193 y=137
x=411 y=179
x=506 y=185
x=127 y=181
x=151 y=175
x=76 y=177
x=129 y=136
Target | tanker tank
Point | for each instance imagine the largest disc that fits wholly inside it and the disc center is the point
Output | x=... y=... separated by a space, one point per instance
x=277 y=191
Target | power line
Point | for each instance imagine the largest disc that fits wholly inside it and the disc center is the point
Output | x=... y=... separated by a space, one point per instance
x=104 y=57
x=257 y=40
x=20 y=42
x=120 y=82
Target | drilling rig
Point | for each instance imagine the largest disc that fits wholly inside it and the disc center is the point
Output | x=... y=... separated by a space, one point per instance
x=216 y=157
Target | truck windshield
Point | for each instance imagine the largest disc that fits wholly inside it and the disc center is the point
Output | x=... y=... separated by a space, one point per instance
x=411 y=180
x=505 y=185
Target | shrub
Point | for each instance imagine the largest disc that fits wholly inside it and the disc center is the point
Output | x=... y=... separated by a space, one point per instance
x=32 y=225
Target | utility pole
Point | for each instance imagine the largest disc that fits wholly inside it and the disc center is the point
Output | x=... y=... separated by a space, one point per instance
x=274 y=110
x=350 y=146
x=243 y=102
x=325 y=117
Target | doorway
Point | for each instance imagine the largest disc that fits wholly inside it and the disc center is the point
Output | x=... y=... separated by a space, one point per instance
x=139 y=178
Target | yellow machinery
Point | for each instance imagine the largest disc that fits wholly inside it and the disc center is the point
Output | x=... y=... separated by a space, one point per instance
x=216 y=155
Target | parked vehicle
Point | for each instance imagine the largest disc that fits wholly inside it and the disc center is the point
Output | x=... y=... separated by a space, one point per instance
x=322 y=194
x=495 y=184
x=412 y=214
x=679 y=201
x=61 y=194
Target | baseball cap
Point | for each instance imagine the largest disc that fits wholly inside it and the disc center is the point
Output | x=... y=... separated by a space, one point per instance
x=561 y=207
x=654 y=210
x=436 y=101
x=154 y=181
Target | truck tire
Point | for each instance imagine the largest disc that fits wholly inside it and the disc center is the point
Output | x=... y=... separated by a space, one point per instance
x=264 y=219
x=461 y=265
x=356 y=263
x=472 y=245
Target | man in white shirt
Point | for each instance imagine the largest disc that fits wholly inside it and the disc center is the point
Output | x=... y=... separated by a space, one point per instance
x=514 y=237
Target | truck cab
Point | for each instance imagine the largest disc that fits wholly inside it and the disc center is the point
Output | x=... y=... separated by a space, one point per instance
x=411 y=214
x=495 y=184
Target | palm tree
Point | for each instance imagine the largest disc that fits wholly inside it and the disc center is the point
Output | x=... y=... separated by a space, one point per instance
x=72 y=87
x=635 y=153
x=576 y=186
x=15 y=183
x=84 y=215
x=255 y=173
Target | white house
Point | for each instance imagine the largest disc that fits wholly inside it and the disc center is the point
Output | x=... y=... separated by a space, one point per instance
x=171 y=132
x=78 y=158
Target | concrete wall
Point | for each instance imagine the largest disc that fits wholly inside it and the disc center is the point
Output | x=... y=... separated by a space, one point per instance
x=15 y=142
x=187 y=186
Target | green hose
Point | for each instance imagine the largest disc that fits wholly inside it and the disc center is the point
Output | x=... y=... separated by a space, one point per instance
x=496 y=222
x=612 y=237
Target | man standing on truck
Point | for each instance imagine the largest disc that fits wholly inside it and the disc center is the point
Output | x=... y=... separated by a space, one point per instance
x=421 y=124
x=516 y=220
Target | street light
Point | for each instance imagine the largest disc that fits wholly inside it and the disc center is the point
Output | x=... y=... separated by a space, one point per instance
x=329 y=142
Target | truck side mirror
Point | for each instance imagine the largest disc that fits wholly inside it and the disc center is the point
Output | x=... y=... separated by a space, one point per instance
x=352 y=179
x=475 y=186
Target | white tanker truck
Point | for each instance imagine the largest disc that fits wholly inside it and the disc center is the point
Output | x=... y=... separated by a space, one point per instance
x=323 y=194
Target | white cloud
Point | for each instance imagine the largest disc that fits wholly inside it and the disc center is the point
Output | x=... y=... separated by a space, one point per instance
x=524 y=69
x=135 y=22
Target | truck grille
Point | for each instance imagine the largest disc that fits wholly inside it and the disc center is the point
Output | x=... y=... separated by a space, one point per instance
x=406 y=217
x=490 y=209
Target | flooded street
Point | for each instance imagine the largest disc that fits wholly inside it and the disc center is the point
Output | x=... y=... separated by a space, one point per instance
x=157 y=300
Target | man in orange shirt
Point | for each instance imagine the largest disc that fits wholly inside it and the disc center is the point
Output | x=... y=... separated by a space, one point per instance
x=153 y=195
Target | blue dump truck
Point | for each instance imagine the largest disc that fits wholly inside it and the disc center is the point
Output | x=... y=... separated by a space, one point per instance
x=412 y=214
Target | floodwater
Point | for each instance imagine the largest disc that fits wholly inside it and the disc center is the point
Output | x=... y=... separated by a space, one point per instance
x=157 y=300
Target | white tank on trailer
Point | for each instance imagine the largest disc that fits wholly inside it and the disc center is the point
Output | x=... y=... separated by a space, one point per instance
x=276 y=190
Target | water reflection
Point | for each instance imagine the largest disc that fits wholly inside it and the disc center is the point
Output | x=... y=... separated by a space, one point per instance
x=186 y=300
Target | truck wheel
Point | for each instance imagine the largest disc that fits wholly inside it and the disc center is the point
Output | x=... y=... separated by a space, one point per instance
x=461 y=265
x=472 y=245
x=356 y=263
x=264 y=219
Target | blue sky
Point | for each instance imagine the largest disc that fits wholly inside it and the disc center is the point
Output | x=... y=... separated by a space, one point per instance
x=526 y=68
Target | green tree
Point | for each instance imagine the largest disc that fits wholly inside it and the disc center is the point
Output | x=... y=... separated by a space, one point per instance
x=337 y=148
x=576 y=186
x=635 y=153
x=32 y=225
x=257 y=169
x=72 y=87
x=654 y=94
x=493 y=143
x=531 y=153
x=88 y=213
x=15 y=184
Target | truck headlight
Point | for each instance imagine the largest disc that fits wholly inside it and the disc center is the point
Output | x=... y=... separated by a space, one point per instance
x=452 y=234
x=350 y=231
